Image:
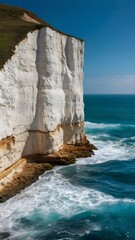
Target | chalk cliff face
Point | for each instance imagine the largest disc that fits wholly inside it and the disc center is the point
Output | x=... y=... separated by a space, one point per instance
x=41 y=96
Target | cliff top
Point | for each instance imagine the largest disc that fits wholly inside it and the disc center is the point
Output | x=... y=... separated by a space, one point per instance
x=15 y=24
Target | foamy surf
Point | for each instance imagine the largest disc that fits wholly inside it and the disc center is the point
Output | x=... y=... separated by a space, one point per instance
x=92 y=199
x=53 y=197
x=109 y=147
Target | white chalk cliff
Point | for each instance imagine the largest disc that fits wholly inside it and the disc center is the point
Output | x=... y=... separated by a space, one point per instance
x=41 y=96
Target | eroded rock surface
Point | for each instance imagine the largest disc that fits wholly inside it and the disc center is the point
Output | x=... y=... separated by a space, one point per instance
x=41 y=103
x=41 y=98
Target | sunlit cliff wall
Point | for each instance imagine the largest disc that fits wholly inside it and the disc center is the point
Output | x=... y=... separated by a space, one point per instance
x=41 y=96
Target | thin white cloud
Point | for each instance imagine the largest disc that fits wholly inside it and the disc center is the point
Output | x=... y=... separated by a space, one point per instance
x=110 y=84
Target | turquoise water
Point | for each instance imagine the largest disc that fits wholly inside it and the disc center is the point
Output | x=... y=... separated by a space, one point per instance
x=93 y=199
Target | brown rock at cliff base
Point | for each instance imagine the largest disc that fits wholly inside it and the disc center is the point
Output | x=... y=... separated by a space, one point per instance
x=38 y=164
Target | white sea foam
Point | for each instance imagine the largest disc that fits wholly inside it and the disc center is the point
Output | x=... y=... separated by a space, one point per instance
x=54 y=196
x=108 y=149
x=51 y=195
x=100 y=125
x=133 y=138
x=93 y=125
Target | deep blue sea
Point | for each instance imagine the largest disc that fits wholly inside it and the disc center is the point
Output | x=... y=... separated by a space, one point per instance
x=93 y=199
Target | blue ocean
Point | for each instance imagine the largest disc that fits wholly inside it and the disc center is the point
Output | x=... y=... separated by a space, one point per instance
x=93 y=199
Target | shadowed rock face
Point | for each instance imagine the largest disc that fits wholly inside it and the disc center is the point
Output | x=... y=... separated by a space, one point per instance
x=14 y=28
x=15 y=23
x=41 y=91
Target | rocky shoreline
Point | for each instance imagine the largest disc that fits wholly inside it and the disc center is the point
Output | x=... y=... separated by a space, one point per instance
x=42 y=108
x=36 y=165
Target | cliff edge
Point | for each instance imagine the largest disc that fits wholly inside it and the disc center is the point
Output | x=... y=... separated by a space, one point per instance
x=41 y=96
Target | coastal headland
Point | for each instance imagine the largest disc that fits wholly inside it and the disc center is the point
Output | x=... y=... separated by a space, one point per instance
x=41 y=99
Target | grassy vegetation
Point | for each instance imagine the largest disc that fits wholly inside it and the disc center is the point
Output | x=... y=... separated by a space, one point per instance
x=13 y=29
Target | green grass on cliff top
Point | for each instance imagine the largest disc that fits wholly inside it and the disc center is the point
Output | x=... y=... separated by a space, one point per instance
x=13 y=29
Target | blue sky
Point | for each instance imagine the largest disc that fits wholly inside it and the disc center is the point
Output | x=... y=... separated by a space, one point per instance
x=108 y=29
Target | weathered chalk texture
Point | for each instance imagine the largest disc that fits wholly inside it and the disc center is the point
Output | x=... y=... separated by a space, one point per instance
x=41 y=96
